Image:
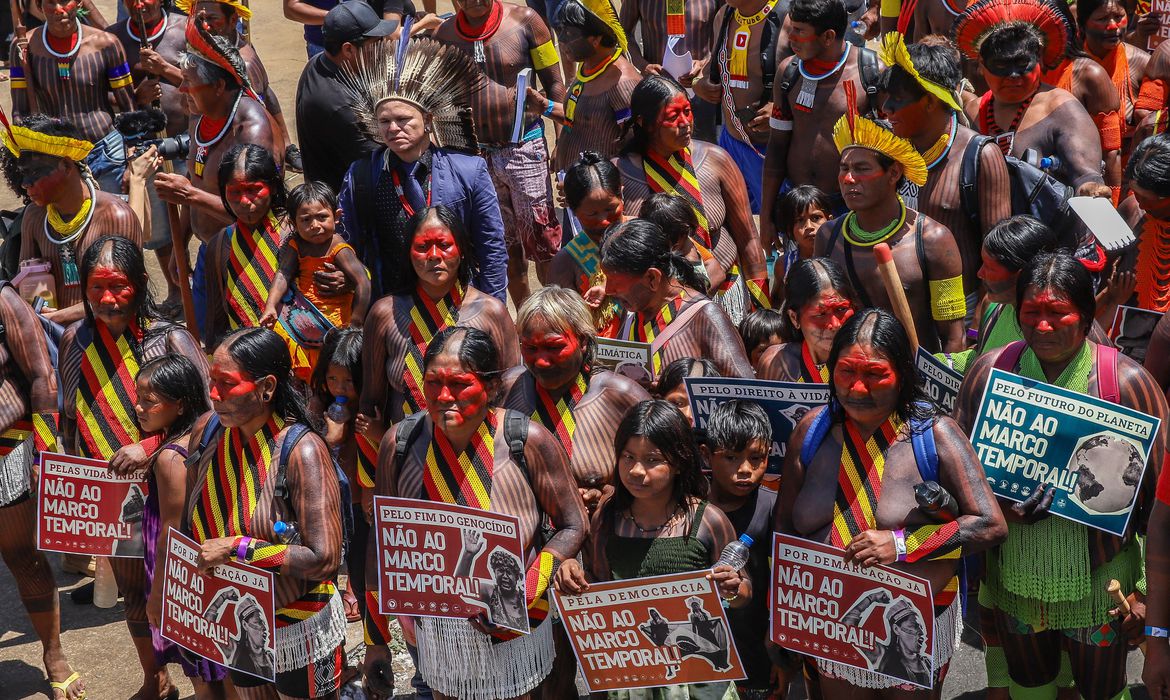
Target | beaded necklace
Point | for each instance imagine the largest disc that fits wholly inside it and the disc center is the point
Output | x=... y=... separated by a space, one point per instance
x=808 y=86
x=64 y=59
x=478 y=35
x=858 y=236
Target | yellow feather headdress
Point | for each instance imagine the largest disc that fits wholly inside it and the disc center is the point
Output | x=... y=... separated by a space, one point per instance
x=18 y=139
x=603 y=10
x=895 y=53
x=855 y=131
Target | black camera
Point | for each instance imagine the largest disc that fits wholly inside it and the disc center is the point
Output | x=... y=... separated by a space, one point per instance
x=140 y=130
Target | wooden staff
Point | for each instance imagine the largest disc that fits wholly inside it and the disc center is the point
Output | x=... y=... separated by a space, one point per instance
x=893 y=284
x=1114 y=589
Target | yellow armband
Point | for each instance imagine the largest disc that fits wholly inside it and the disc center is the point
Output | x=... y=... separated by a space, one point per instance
x=947 y=302
x=891 y=8
x=544 y=55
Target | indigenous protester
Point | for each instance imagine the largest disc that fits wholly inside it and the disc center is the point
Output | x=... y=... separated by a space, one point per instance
x=593 y=191
x=401 y=98
x=658 y=288
x=597 y=104
x=29 y=420
x=171 y=393
x=436 y=293
x=1102 y=26
x=670 y=387
x=658 y=521
x=1148 y=213
x=44 y=160
x=79 y=74
x=800 y=212
x=853 y=491
x=661 y=156
x=256 y=409
x=807 y=102
x=760 y=331
x=504 y=39
x=463 y=432
x=676 y=217
x=818 y=301
x=100 y=360
x=926 y=256
x=921 y=105
x=1046 y=584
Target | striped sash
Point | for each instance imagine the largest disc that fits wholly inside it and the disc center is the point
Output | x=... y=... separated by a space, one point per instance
x=557 y=415
x=859 y=479
x=645 y=330
x=367 y=461
x=427 y=319
x=811 y=372
x=465 y=478
x=676 y=175
x=232 y=486
x=252 y=265
x=106 y=392
x=15 y=436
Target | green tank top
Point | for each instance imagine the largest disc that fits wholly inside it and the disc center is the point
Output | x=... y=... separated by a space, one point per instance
x=635 y=557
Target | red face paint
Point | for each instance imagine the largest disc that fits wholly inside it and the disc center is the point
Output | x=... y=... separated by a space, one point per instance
x=434 y=242
x=108 y=287
x=1048 y=312
x=993 y=271
x=863 y=375
x=830 y=313
x=1015 y=89
x=599 y=210
x=247 y=192
x=453 y=395
x=542 y=351
x=225 y=385
x=677 y=113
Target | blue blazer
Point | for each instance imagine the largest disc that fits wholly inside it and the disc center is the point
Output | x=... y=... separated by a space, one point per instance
x=459 y=182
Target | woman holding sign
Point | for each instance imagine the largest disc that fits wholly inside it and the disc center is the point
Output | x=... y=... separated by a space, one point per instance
x=818 y=300
x=465 y=451
x=849 y=481
x=100 y=358
x=1046 y=584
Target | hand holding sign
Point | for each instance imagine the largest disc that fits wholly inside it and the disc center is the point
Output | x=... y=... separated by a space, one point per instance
x=1034 y=508
x=213 y=553
x=871 y=548
x=570 y=578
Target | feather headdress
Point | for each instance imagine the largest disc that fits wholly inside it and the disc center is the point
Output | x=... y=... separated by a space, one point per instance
x=436 y=78
x=217 y=51
x=187 y=7
x=981 y=19
x=855 y=131
x=603 y=10
x=18 y=139
x=895 y=53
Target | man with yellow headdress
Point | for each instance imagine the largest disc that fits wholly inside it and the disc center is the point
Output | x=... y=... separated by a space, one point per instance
x=873 y=164
x=921 y=106
x=45 y=158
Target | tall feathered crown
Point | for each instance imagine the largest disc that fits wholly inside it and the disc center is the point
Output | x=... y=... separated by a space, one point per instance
x=603 y=10
x=436 y=78
x=855 y=131
x=981 y=19
x=217 y=51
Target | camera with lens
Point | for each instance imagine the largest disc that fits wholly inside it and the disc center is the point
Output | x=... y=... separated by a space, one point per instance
x=140 y=130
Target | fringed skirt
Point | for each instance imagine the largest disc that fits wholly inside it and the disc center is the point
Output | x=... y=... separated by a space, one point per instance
x=461 y=662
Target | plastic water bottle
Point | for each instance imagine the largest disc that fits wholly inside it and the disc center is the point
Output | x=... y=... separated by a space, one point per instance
x=735 y=554
x=287 y=533
x=1049 y=163
x=338 y=411
x=105 y=588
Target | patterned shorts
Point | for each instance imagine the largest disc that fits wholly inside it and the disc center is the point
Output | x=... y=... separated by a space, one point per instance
x=520 y=174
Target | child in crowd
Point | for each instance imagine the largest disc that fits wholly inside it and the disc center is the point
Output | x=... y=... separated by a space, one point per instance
x=315 y=246
x=761 y=330
x=738 y=443
x=670 y=387
x=800 y=213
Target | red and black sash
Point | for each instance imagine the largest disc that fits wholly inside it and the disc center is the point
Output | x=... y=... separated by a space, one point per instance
x=252 y=264
x=557 y=415
x=427 y=319
x=234 y=480
x=106 y=391
x=464 y=478
x=810 y=371
x=859 y=479
x=676 y=176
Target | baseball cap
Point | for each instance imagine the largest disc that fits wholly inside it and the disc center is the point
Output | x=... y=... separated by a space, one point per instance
x=353 y=20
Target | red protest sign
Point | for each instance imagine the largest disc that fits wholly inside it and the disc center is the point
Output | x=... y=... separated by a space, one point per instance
x=444 y=560
x=650 y=632
x=84 y=508
x=227 y=616
x=877 y=619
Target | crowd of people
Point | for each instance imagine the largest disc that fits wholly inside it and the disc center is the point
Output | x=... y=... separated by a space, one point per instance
x=805 y=191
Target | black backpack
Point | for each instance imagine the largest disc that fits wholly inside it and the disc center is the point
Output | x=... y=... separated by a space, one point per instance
x=773 y=23
x=515 y=433
x=867 y=64
x=1034 y=192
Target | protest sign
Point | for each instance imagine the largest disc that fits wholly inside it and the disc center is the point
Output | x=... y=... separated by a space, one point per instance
x=784 y=402
x=650 y=632
x=1162 y=7
x=1132 y=329
x=84 y=508
x=226 y=616
x=1092 y=452
x=444 y=560
x=873 y=618
x=628 y=358
x=941 y=383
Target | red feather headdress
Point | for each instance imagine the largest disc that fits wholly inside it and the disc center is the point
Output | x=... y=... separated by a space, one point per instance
x=981 y=19
x=216 y=50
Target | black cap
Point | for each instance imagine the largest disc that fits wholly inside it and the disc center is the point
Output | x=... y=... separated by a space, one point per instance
x=353 y=20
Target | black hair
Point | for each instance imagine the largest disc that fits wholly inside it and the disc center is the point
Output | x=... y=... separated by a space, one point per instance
x=646 y=102
x=669 y=430
x=937 y=62
x=258 y=166
x=635 y=246
x=805 y=281
x=671 y=377
x=127 y=257
x=673 y=214
x=1149 y=166
x=1086 y=8
x=1063 y=273
x=468 y=264
x=882 y=331
x=573 y=14
x=261 y=352
x=823 y=15
x=591 y=172
x=757 y=327
x=43 y=124
x=1015 y=241
x=341 y=347
x=311 y=192
x=177 y=379
x=1012 y=39
x=735 y=424
x=478 y=351
x=794 y=202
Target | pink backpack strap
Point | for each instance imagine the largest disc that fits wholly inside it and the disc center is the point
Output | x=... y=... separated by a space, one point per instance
x=1107 y=387
x=1010 y=356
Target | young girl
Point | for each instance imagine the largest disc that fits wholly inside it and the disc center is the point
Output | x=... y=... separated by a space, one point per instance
x=172 y=394
x=314 y=245
x=658 y=521
x=761 y=330
x=800 y=212
x=670 y=386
